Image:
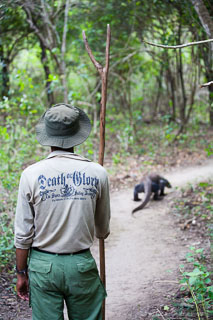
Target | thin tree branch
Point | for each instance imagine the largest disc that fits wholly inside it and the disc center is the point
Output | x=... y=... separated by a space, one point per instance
x=58 y=11
x=95 y=90
x=178 y=46
x=85 y=103
x=125 y=58
x=206 y=84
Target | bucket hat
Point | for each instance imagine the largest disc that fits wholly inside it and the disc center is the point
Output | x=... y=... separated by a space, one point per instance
x=63 y=126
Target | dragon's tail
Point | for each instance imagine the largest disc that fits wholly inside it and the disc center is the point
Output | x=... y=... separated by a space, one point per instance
x=148 y=192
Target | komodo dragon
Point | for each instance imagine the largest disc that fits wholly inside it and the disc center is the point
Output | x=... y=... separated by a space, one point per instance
x=152 y=183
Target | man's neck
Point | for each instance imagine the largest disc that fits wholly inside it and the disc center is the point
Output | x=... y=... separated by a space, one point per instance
x=67 y=150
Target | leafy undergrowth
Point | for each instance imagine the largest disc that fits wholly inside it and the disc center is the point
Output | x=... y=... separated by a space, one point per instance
x=194 y=299
x=7 y=243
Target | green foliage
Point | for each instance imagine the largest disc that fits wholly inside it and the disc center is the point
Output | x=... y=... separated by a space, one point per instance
x=6 y=241
x=209 y=150
x=88 y=148
x=18 y=147
x=198 y=283
x=116 y=158
x=170 y=131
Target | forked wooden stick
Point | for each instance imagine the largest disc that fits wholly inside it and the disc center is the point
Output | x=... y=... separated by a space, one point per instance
x=103 y=71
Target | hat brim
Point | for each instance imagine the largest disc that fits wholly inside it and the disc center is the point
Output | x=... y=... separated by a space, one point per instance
x=64 y=142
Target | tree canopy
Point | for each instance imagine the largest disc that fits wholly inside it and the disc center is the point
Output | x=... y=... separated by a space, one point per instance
x=43 y=59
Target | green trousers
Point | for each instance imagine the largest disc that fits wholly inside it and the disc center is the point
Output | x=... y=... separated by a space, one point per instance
x=73 y=279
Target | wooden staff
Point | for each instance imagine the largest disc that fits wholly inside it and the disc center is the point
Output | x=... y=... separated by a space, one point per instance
x=103 y=71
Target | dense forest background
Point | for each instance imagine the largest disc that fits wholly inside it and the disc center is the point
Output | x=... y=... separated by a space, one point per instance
x=43 y=61
x=159 y=114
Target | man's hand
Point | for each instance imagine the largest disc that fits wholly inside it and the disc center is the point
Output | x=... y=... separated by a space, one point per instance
x=22 y=286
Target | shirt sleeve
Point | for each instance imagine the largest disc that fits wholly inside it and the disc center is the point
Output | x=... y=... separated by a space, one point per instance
x=24 y=218
x=102 y=214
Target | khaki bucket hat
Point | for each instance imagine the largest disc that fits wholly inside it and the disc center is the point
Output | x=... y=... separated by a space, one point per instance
x=63 y=126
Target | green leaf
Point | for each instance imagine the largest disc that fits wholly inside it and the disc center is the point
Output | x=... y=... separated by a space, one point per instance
x=196 y=272
x=192 y=280
x=90 y=151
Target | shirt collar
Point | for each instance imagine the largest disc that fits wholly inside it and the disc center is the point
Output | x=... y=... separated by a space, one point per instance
x=66 y=154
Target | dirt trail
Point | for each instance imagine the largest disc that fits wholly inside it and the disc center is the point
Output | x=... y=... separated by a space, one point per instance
x=143 y=253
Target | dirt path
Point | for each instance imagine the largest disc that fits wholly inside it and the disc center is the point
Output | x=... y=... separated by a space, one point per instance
x=143 y=254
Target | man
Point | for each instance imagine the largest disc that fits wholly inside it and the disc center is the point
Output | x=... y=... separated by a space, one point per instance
x=63 y=201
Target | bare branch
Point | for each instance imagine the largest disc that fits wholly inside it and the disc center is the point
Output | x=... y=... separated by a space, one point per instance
x=85 y=103
x=178 y=46
x=206 y=84
x=58 y=11
x=95 y=90
x=125 y=58
x=118 y=76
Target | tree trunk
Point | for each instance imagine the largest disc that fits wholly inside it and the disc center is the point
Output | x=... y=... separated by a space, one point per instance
x=180 y=71
x=208 y=63
x=171 y=83
x=129 y=106
x=209 y=76
x=63 y=50
x=49 y=92
x=207 y=23
x=211 y=105
x=5 y=74
x=204 y=17
x=159 y=82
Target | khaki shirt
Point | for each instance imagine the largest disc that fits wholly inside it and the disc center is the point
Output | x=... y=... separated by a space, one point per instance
x=63 y=201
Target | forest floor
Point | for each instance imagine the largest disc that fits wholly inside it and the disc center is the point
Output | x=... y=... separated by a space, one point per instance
x=143 y=253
